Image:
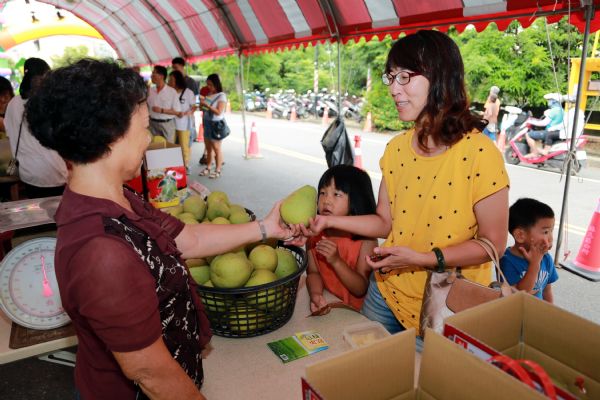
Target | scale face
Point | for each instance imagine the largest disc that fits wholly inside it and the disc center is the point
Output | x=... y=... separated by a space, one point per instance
x=28 y=290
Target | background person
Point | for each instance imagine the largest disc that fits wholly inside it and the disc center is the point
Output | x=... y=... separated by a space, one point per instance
x=42 y=171
x=184 y=122
x=443 y=184
x=178 y=64
x=6 y=95
x=336 y=259
x=527 y=264
x=491 y=110
x=213 y=107
x=119 y=261
x=163 y=104
x=552 y=121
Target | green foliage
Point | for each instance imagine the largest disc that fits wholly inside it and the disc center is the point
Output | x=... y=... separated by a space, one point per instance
x=70 y=55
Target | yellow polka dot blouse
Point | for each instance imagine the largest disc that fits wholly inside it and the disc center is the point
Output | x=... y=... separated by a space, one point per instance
x=431 y=202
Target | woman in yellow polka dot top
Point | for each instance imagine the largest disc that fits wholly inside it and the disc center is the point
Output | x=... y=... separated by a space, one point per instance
x=443 y=184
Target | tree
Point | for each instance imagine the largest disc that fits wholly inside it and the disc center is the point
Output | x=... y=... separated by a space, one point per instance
x=70 y=56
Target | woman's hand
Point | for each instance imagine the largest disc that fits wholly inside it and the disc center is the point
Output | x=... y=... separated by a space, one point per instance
x=328 y=249
x=395 y=257
x=276 y=228
x=156 y=109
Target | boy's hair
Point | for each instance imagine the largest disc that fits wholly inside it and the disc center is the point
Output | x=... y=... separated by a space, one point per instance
x=526 y=212
x=355 y=183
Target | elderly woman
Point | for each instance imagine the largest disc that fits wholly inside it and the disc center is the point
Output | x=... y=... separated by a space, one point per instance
x=119 y=262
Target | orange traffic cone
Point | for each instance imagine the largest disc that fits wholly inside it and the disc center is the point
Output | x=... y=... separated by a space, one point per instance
x=269 y=111
x=253 y=151
x=587 y=262
x=325 y=120
x=368 y=123
x=228 y=109
x=293 y=115
x=200 y=135
x=358 y=163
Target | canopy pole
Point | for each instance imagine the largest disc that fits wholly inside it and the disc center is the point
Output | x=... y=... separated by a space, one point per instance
x=337 y=36
x=243 y=102
x=589 y=12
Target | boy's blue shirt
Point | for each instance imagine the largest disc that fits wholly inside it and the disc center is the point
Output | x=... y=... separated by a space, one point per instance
x=515 y=267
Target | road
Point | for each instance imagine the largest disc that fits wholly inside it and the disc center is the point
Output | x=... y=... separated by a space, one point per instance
x=293 y=156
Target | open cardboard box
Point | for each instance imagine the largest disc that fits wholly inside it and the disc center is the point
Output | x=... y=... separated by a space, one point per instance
x=525 y=327
x=165 y=173
x=385 y=370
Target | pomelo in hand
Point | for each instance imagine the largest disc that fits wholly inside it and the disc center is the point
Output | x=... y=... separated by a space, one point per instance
x=263 y=257
x=300 y=206
x=286 y=263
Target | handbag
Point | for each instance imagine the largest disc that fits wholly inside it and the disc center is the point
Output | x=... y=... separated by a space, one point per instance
x=449 y=292
x=220 y=130
x=12 y=168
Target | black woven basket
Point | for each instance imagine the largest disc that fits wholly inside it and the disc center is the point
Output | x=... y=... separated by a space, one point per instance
x=256 y=310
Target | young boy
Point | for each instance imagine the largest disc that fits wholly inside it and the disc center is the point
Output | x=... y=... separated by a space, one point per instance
x=527 y=264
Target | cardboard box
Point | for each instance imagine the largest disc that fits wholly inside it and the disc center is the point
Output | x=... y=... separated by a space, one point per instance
x=385 y=371
x=525 y=327
x=165 y=173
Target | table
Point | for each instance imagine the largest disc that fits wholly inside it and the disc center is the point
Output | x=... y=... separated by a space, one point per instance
x=248 y=369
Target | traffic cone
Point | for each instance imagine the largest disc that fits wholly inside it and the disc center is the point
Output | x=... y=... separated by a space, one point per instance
x=228 y=108
x=200 y=135
x=269 y=111
x=587 y=262
x=325 y=120
x=293 y=115
x=358 y=163
x=253 y=151
x=368 y=123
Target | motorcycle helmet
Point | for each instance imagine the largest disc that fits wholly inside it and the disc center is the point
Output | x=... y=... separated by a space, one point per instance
x=554 y=99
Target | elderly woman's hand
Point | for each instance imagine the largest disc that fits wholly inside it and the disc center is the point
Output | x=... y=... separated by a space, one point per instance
x=278 y=229
x=392 y=258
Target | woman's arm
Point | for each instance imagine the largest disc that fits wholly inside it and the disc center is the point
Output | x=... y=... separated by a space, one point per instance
x=492 y=220
x=376 y=225
x=157 y=373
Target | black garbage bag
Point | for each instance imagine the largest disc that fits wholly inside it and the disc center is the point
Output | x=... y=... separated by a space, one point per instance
x=337 y=145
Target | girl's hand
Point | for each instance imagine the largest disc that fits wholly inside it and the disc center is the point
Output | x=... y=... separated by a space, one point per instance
x=315 y=226
x=318 y=304
x=328 y=249
x=395 y=257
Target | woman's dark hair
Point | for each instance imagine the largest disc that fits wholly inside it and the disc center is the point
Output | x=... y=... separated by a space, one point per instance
x=526 y=212
x=81 y=109
x=216 y=81
x=355 y=183
x=179 y=79
x=6 y=87
x=33 y=68
x=446 y=116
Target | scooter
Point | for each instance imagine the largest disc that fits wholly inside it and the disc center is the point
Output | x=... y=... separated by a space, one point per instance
x=518 y=147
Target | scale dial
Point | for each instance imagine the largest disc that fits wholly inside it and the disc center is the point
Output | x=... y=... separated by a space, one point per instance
x=28 y=290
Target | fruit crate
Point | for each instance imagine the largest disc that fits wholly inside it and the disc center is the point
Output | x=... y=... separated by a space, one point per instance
x=253 y=311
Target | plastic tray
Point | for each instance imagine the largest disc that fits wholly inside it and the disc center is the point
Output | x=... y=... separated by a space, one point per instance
x=364 y=334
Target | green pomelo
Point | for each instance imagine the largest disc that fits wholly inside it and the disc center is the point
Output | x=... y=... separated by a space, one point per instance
x=195 y=262
x=217 y=196
x=217 y=209
x=261 y=277
x=236 y=208
x=188 y=220
x=244 y=319
x=230 y=270
x=175 y=210
x=239 y=217
x=286 y=263
x=186 y=215
x=208 y=283
x=200 y=274
x=214 y=303
x=220 y=221
x=196 y=206
x=300 y=206
x=263 y=257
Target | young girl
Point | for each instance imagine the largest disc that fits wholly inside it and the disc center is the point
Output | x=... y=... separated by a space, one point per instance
x=336 y=259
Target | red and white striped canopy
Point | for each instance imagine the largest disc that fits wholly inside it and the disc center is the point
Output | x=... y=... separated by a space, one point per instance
x=155 y=31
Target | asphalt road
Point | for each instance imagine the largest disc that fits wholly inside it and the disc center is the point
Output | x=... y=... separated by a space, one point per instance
x=293 y=156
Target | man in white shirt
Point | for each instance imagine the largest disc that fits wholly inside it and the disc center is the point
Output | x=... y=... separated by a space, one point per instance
x=163 y=104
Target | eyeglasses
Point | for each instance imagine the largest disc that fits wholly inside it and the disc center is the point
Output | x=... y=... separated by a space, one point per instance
x=402 y=77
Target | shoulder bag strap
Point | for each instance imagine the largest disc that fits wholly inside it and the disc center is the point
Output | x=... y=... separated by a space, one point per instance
x=490 y=249
x=19 y=137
